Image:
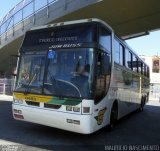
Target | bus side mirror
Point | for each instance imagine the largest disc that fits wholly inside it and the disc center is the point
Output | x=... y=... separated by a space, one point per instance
x=107 y=63
x=103 y=58
x=99 y=64
x=13 y=65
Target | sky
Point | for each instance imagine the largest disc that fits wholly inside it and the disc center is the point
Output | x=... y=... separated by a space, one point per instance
x=6 y=6
x=145 y=45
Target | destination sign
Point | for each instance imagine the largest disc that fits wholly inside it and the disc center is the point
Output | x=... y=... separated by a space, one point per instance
x=61 y=37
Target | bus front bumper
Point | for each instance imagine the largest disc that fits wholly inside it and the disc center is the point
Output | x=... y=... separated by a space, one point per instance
x=62 y=120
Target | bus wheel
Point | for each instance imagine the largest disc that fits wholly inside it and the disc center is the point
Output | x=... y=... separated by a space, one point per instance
x=142 y=103
x=113 y=116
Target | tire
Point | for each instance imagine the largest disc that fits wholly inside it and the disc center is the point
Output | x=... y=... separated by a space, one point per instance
x=113 y=116
x=142 y=103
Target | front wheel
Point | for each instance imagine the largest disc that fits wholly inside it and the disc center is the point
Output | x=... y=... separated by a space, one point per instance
x=113 y=116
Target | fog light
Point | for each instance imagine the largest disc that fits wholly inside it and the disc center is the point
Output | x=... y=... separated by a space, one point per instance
x=73 y=121
x=18 y=116
x=69 y=108
x=69 y=121
x=76 y=122
x=76 y=109
x=17 y=111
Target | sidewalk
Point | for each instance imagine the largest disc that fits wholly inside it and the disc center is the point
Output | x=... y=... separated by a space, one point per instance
x=6 y=97
x=153 y=102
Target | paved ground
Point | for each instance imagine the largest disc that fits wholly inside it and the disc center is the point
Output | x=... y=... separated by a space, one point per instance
x=138 y=131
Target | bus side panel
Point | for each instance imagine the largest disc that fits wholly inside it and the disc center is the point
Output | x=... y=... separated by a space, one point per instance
x=102 y=110
x=126 y=86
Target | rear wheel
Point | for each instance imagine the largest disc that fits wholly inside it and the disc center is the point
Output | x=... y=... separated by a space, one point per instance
x=143 y=100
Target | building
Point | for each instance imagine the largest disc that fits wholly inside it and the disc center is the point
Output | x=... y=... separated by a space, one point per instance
x=154 y=64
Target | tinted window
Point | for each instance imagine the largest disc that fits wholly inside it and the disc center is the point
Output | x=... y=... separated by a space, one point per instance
x=103 y=75
x=116 y=51
x=128 y=59
x=147 y=71
x=142 y=68
x=121 y=55
x=69 y=72
x=139 y=66
x=135 y=63
x=105 y=38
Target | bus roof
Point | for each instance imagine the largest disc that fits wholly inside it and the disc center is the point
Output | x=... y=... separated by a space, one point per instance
x=72 y=23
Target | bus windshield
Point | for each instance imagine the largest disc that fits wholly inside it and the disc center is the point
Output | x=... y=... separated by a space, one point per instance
x=69 y=72
x=61 y=72
x=31 y=72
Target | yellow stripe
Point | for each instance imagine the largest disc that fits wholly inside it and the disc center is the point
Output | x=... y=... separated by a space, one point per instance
x=140 y=87
x=32 y=97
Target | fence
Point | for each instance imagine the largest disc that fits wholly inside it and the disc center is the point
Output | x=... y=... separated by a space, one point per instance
x=23 y=10
x=6 y=86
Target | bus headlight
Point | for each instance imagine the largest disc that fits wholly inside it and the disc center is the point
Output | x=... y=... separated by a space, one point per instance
x=69 y=108
x=87 y=106
x=76 y=109
x=18 y=101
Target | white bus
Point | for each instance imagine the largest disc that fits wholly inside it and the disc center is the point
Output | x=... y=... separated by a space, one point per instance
x=78 y=76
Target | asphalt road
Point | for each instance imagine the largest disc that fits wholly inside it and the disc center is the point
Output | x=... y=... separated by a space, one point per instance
x=138 y=131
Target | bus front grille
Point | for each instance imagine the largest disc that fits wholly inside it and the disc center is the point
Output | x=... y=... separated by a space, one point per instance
x=51 y=106
x=33 y=103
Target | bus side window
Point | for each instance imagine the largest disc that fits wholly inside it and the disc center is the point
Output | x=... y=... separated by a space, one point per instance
x=139 y=66
x=135 y=63
x=105 y=38
x=147 y=71
x=116 y=51
x=122 y=55
x=142 y=68
x=103 y=75
x=128 y=59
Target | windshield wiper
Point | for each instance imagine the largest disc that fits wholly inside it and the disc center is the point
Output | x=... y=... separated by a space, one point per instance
x=30 y=82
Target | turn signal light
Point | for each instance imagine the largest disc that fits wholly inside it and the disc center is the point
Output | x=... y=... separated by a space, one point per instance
x=76 y=109
x=86 y=109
